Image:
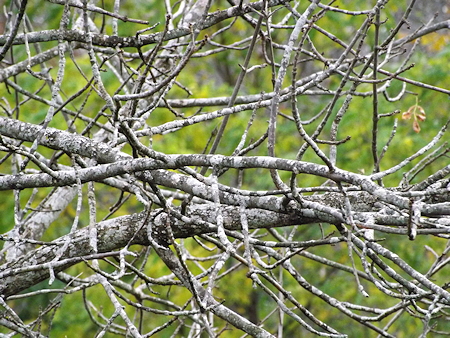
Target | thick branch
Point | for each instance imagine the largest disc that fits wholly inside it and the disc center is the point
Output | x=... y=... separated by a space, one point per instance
x=119 y=232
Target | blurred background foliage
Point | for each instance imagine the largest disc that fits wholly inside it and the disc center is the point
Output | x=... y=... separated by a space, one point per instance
x=215 y=77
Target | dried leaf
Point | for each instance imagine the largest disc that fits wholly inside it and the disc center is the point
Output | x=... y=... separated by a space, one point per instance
x=420 y=115
x=416 y=126
x=406 y=115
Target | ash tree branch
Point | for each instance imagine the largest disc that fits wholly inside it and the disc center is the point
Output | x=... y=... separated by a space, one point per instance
x=119 y=232
x=143 y=40
x=136 y=114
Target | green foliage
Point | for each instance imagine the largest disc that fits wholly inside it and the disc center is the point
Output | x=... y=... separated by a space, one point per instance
x=216 y=77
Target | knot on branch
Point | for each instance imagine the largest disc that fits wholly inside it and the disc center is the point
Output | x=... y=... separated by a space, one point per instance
x=160 y=232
